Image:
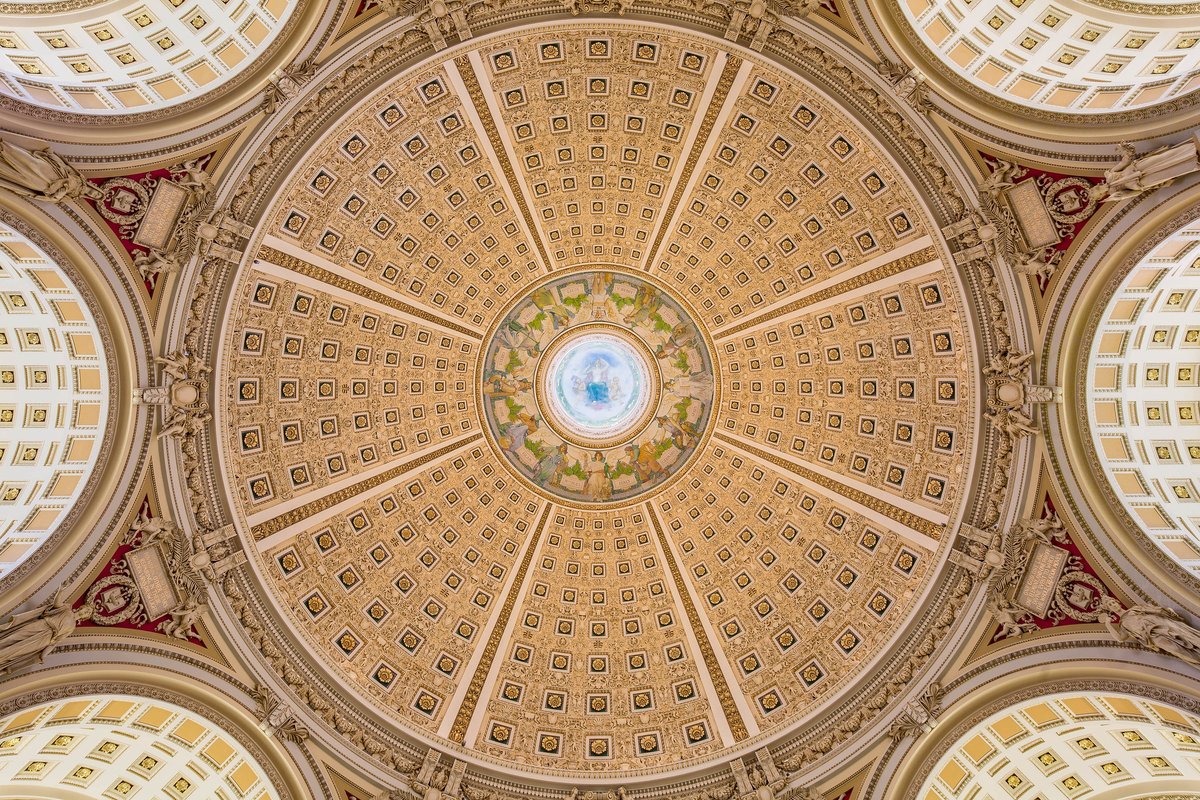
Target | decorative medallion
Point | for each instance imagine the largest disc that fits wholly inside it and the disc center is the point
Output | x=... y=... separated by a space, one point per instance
x=597 y=387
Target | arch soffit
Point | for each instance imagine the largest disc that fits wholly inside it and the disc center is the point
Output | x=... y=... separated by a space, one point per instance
x=123 y=331
x=1099 y=270
x=1045 y=126
x=997 y=686
x=224 y=706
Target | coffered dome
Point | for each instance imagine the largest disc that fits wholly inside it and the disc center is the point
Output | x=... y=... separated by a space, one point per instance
x=111 y=56
x=1143 y=395
x=54 y=397
x=596 y=398
x=599 y=399
x=1089 y=56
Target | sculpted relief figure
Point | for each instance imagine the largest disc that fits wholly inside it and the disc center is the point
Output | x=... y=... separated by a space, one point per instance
x=33 y=635
x=1009 y=372
x=1013 y=619
x=1012 y=423
x=151 y=263
x=1134 y=175
x=42 y=175
x=1004 y=176
x=1153 y=627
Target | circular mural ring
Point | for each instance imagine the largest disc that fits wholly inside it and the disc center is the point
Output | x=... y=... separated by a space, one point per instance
x=597 y=386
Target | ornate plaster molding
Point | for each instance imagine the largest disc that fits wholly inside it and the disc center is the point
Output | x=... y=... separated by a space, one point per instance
x=788 y=45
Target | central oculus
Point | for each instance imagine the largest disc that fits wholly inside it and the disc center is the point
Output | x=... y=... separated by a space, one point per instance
x=597 y=386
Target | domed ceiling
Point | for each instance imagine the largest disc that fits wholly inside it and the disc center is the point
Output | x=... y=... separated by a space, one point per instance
x=107 y=56
x=54 y=397
x=596 y=397
x=1144 y=395
x=1077 y=744
x=1089 y=56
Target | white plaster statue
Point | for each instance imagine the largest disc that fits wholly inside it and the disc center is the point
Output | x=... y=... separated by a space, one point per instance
x=33 y=635
x=1153 y=627
x=183 y=619
x=1035 y=263
x=1134 y=175
x=152 y=529
x=42 y=175
x=182 y=365
x=184 y=422
x=1013 y=366
x=1046 y=530
x=196 y=180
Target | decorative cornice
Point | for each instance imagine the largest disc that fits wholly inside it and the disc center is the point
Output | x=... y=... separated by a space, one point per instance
x=876 y=109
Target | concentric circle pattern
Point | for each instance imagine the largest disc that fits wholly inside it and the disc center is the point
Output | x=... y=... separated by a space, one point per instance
x=597 y=387
x=770 y=291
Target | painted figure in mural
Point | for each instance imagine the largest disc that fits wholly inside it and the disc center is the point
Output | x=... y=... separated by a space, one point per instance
x=601 y=285
x=512 y=438
x=645 y=306
x=499 y=384
x=598 y=485
x=694 y=383
x=682 y=336
x=597 y=385
x=595 y=382
x=644 y=461
x=600 y=288
x=681 y=432
x=551 y=467
x=545 y=301
x=516 y=336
